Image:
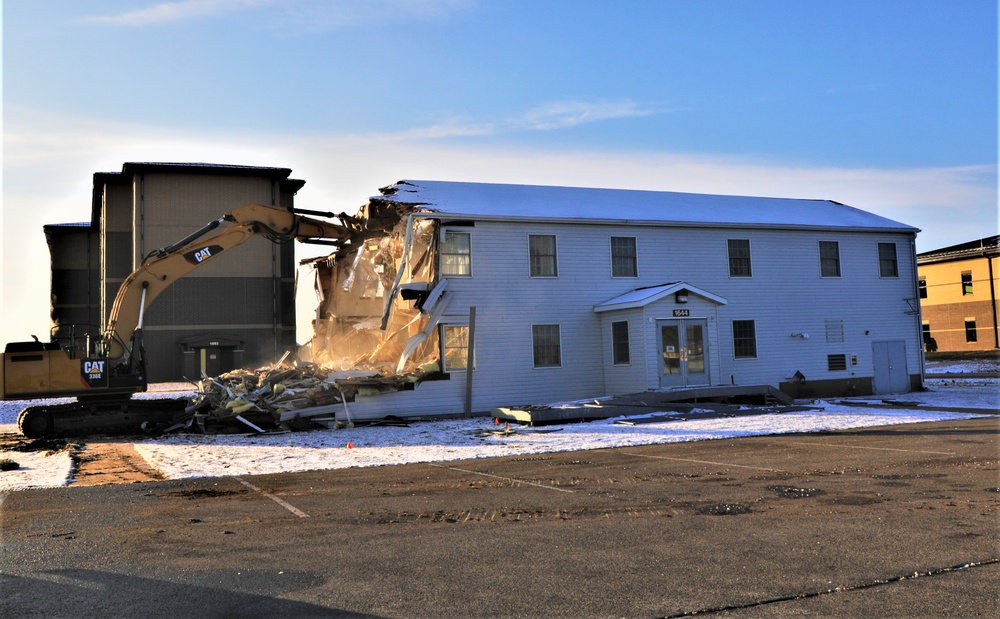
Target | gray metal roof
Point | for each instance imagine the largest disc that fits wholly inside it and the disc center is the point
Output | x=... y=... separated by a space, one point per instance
x=534 y=202
x=987 y=246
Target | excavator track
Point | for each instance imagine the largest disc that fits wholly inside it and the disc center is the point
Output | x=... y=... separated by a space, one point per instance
x=87 y=417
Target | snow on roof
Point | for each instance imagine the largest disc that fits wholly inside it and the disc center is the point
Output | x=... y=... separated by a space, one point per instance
x=495 y=201
x=77 y=224
x=640 y=297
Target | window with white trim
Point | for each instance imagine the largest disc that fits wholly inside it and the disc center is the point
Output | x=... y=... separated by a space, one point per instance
x=888 y=265
x=744 y=339
x=619 y=343
x=624 y=261
x=546 y=346
x=455 y=347
x=456 y=253
x=829 y=259
x=542 y=255
x=739 y=258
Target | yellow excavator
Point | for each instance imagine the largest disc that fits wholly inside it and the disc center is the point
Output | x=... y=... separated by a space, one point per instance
x=103 y=375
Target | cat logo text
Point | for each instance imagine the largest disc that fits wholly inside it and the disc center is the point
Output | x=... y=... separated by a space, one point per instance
x=197 y=256
x=93 y=369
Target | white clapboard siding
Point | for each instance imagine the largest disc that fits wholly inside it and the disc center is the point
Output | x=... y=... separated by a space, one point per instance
x=631 y=377
x=786 y=297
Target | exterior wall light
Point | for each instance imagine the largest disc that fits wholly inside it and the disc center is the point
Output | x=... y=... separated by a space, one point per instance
x=681 y=296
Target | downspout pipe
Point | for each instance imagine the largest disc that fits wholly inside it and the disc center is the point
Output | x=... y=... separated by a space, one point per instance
x=276 y=318
x=993 y=303
x=916 y=296
x=142 y=217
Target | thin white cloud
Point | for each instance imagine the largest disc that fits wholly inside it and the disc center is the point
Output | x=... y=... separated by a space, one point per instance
x=546 y=117
x=453 y=128
x=297 y=15
x=184 y=10
x=561 y=114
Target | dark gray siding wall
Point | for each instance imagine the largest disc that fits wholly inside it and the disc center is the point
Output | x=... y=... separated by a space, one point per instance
x=75 y=283
x=247 y=294
x=241 y=308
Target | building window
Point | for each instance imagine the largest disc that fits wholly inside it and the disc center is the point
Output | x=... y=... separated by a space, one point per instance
x=545 y=345
x=922 y=287
x=887 y=264
x=455 y=347
x=456 y=254
x=739 y=258
x=619 y=343
x=966 y=283
x=623 y=257
x=829 y=259
x=834 y=331
x=744 y=339
x=542 y=255
x=930 y=344
x=970 y=330
x=836 y=363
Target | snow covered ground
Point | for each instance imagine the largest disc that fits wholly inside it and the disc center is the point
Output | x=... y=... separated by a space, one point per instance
x=967 y=366
x=181 y=456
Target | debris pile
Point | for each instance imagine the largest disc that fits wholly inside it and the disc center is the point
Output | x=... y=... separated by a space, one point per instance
x=260 y=399
x=287 y=397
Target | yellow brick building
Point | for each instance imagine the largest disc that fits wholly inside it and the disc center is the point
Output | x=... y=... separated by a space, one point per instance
x=958 y=296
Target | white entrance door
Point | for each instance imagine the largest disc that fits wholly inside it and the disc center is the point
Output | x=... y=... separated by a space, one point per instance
x=890 y=374
x=683 y=349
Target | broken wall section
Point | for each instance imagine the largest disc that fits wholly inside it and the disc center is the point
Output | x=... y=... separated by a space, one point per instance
x=378 y=298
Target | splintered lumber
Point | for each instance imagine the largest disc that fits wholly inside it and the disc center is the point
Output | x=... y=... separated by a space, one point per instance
x=253 y=397
x=287 y=395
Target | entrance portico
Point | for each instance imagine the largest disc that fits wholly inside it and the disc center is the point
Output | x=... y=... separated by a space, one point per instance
x=675 y=337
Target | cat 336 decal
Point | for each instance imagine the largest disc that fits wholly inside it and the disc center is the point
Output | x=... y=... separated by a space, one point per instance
x=94 y=372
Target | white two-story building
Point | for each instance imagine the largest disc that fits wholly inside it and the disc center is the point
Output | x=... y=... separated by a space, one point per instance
x=560 y=293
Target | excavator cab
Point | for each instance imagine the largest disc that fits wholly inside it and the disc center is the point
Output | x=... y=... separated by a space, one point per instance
x=35 y=369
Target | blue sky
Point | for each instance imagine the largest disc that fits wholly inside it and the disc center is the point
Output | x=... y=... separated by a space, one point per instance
x=888 y=106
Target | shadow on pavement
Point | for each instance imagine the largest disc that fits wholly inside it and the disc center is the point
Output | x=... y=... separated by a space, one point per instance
x=91 y=593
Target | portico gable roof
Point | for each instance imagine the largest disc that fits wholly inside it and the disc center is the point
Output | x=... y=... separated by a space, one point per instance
x=641 y=297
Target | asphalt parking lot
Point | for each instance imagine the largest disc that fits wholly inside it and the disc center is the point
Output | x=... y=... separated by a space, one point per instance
x=891 y=521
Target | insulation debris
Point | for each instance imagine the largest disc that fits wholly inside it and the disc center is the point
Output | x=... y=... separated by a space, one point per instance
x=379 y=296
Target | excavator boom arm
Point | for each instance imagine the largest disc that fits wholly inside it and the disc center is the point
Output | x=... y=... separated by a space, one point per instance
x=165 y=266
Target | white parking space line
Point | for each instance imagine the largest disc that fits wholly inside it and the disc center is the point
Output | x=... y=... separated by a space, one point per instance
x=912 y=451
x=723 y=464
x=510 y=479
x=298 y=512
